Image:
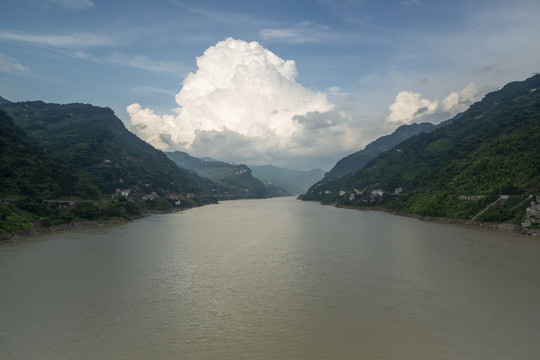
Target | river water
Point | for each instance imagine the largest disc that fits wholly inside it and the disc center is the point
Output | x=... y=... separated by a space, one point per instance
x=271 y=279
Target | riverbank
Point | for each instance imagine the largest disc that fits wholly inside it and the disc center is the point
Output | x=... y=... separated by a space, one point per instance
x=497 y=226
x=39 y=229
x=77 y=225
x=42 y=230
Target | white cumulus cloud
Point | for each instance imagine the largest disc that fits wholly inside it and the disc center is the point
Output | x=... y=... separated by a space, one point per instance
x=243 y=104
x=461 y=100
x=410 y=106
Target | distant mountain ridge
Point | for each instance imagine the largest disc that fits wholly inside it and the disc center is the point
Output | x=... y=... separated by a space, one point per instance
x=232 y=181
x=289 y=182
x=4 y=101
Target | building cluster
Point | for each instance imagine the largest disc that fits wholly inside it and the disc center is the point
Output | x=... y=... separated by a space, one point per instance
x=533 y=214
x=374 y=196
x=471 y=197
x=176 y=199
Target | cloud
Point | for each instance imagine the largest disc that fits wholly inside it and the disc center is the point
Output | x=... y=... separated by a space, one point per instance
x=243 y=104
x=410 y=106
x=79 y=40
x=460 y=101
x=151 y=89
x=144 y=63
x=228 y=16
x=336 y=91
x=303 y=32
x=411 y=3
x=315 y=120
x=74 y=4
x=75 y=45
x=10 y=65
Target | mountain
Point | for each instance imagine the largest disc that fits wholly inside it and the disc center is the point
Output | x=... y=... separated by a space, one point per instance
x=491 y=149
x=27 y=171
x=28 y=176
x=93 y=140
x=4 y=101
x=285 y=182
x=350 y=164
x=233 y=181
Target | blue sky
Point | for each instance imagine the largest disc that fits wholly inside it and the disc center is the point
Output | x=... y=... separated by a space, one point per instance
x=379 y=64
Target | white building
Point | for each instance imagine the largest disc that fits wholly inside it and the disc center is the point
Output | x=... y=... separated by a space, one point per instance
x=377 y=192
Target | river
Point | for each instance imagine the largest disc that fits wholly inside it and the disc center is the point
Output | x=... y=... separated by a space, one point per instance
x=271 y=279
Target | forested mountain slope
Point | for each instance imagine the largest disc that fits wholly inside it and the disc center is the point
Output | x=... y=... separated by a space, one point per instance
x=95 y=141
x=492 y=149
x=496 y=143
x=350 y=164
x=27 y=171
x=233 y=181
x=28 y=176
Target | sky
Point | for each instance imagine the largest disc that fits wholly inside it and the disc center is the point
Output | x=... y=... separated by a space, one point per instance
x=297 y=84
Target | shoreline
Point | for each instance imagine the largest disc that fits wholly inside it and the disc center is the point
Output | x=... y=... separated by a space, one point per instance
x=77 y=225
x=81 y=225
x=89 y=224
x=441 y=220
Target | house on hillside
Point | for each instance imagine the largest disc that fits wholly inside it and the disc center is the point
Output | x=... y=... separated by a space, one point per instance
x=533 y=215
x=152 y=196
x=123 y=192
x=377 y=192
x=376 y=195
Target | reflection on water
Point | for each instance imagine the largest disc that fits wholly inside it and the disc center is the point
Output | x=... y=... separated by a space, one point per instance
x=271 y=279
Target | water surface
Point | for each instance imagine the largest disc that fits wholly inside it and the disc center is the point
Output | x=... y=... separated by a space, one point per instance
x=271 y=279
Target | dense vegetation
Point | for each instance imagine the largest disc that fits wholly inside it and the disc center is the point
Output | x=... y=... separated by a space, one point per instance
x=36 y=189
x=57 y=161
x=95 y=141
x=350 y=164
x=26 y=169
x=491 y=149
x=232 y=181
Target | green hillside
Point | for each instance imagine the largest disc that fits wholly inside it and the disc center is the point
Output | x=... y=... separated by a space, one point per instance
x=95 y=141
x=350 y=164
x=492 y=149
x=233 y=181
x=28 y=177
x=60 y=164
x=27 y=171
